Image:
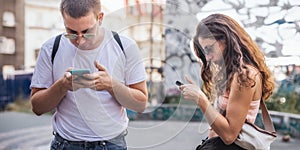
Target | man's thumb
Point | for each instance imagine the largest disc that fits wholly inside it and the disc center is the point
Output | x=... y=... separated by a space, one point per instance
x=99 y=67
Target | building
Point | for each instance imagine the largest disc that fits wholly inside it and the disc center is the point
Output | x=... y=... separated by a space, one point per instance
x=29 y=23
x=12 y=33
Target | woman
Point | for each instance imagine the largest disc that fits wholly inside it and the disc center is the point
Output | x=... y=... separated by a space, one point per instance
x=235 y=77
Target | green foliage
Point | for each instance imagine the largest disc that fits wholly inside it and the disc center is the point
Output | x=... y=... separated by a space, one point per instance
x=290 y=105
x=287 y=97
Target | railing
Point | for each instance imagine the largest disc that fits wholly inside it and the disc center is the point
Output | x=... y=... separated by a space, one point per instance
x=286 y=123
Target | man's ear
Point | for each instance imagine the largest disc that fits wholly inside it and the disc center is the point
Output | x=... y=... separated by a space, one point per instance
x=100 y=16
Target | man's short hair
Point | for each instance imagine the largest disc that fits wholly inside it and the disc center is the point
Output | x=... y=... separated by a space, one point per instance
x=79 y=8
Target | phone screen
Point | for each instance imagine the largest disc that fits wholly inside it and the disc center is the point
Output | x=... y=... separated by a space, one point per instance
x=178 y=83
x=80 y=72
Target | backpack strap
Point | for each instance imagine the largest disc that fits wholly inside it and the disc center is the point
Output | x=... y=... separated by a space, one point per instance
x=55 y=47
x=58 y=37
x=117 y=38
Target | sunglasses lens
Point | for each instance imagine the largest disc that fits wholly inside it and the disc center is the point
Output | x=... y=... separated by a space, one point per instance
x=75 y=36
x=88 y=36
x=71 y=36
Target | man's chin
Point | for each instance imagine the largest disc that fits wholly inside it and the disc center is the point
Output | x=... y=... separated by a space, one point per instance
x=82 y=47
x=87 y=46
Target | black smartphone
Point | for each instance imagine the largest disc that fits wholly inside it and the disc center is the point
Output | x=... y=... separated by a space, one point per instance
x=178 y=83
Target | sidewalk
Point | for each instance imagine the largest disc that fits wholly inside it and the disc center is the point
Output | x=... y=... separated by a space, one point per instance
x=26 y=131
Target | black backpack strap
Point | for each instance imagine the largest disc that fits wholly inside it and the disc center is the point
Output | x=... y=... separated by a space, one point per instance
x=55 y=47
x=117 y=38
x=58 y=37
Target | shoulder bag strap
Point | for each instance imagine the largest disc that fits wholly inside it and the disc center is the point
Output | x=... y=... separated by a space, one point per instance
x=266 y=117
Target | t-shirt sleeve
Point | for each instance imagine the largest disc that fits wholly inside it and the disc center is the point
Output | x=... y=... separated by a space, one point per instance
x=42 y=75
x=135 y=70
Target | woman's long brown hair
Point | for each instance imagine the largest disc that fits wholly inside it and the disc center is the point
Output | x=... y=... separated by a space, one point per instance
x=240 y=51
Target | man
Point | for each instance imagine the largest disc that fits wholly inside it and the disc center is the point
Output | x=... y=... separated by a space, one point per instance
x=90 y=109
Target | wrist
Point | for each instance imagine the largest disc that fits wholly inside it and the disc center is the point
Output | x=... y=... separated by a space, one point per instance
x=202 y=100
x=197 y=100
x=63 y=86
x=111 y=85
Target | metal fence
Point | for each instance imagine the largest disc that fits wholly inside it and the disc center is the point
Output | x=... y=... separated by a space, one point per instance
x=14 y=86
x=284 y=123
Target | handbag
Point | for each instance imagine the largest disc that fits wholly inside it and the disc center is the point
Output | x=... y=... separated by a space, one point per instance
x=252 y=137
x=216 y=143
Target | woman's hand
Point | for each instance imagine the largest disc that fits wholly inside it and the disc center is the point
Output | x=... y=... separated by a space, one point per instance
x=191 y=91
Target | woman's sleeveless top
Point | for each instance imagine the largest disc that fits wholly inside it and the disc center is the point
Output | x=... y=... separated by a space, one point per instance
x=222 y=102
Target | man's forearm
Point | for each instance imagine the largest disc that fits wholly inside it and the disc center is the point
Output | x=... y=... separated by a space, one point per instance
x=130 y=98
x=45 y=100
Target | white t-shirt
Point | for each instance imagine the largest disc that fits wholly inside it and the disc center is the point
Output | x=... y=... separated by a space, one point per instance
x=86 y=114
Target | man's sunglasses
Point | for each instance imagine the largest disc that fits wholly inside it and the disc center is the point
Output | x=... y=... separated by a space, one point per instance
x=76 y=36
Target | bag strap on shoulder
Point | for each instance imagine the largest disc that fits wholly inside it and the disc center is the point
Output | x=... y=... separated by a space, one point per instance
x=267 y=121
x=58 y=37
x=266 y=117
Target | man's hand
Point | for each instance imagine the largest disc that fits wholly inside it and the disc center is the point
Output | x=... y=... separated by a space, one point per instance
x=99 y=80
x=73 y=82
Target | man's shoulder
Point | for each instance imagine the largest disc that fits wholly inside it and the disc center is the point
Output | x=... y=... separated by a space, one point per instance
x=48 y=44
x=126 y=39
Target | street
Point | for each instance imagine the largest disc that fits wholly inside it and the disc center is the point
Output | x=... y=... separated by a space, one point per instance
x=25 y=131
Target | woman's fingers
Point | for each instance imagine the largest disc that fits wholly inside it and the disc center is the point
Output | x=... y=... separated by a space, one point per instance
x=189 y=80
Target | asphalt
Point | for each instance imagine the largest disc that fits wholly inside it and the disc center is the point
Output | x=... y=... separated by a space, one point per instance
x=29 y=132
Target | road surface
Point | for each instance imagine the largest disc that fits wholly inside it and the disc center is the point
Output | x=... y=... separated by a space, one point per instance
x=23 y=131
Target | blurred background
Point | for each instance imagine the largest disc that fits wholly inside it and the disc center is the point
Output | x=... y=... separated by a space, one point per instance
x=163 y=30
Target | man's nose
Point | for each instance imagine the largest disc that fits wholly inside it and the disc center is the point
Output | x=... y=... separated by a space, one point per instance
x=79 y=38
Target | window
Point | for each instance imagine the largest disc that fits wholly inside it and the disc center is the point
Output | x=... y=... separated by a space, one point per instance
x=8 y=19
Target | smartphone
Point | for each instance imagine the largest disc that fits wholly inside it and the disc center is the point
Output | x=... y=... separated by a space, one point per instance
x=80 y=72
x=178 y=83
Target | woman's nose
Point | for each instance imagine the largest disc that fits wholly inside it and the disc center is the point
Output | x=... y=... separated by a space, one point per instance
x=208 y=57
